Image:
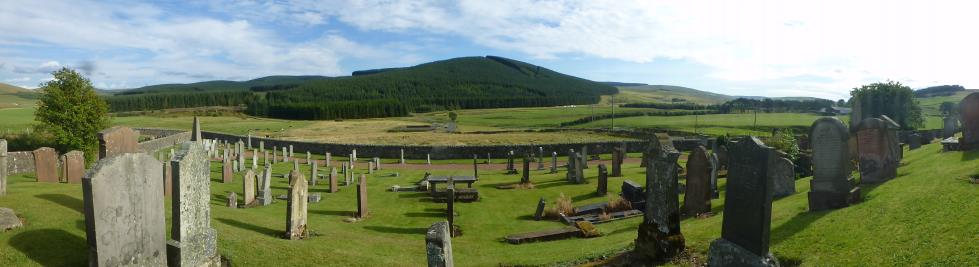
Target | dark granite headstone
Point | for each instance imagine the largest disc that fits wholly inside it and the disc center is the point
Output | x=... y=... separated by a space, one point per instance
x=525 y=178
x=602 y=180
x=659 y=234
x=697 y=198
x=914 y=141
x=618 y=155
x=540 y=210
x=450 y=200
x=747 y=209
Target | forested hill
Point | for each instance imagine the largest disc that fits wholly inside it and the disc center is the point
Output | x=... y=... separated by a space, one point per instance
x=459 y=83
x=260 y=84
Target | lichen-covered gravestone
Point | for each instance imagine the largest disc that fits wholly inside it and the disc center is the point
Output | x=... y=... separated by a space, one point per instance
x=3 y=167
x=124 y=218
x=46 y=165
x=297 y=208
x=714 y=166
x=831 y=186
x=248 y=188
x=697 y=198
x=265 y=192
x=747 y=209
x=438 y=244
x=659 y=233
x=874 y=152
x=783 y=175
x=194 y=242
x=117 y=140
x=73 y=166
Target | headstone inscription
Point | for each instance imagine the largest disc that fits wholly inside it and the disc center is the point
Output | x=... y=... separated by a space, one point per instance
x=831 y=186
x=747 y=209
x=124 y=220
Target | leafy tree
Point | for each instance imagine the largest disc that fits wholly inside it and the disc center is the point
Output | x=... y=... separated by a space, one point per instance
x=453 y=116
x=71 y=111
x=890 y=98
x=784 y=141
x=841 y=103
x=948 y=108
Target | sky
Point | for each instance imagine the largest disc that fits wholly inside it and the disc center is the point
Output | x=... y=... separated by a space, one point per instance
x=765 y=48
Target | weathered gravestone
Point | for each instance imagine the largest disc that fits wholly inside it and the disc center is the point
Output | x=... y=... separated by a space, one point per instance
x=659 y=233
x=313 y=175
x=73 y=166
x=874 y=152
x=969 y=115
x=292 y=152
x=602 y=180
x=831 y=186
x=362 y=211
x=584 y=156
x=46 y=165
x=194 y=242
x=226 y=171
x=285 y=155
x=525 y=178
x=232 y=200
x=617 y=157
x=539 y=213
x=265 y=192
x=124 y=218
x=450 y=198
x=117 y=140
x=714 y=166
x=401 y=158
x=948 y=126
x=333 y=180
x=553 y=162
x=297 y=207
x=9 y=220
x=438 y=244
x=914 y=141
x=248 y=188
x=747 y=209
x=697 y=198
x=3 y=167
x=579 y=166
x=783 y=175
x=540 y=158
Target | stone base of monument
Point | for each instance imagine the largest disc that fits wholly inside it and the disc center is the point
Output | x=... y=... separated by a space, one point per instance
x=194 y=256
x=9 y=220
x=653 y=244
x=828 y=200
x=725 y=253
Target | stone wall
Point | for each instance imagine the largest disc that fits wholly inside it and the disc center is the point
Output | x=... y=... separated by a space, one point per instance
x=20 y=162
x=163 y=141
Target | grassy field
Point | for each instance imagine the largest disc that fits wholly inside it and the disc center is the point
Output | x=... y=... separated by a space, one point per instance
x=664 y=94
x=924 y=217
x=715 y=124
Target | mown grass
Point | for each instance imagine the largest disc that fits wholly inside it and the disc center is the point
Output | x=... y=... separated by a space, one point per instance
x=924 y=217
x=716 y=124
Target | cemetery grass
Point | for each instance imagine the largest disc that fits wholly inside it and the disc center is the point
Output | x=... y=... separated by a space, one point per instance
x=717 y=124
x=923 y=217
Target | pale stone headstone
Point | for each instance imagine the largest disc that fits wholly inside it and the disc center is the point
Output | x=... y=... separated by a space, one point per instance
x=9 y=220
x=232 y=200
x=697 y=198
x=362 y=210
x=553 y=162
x=285 y=155
x=370 y=167
x=333 y=180
x=249 y=140
x=540 y=158
x=438 y=244
x=195 y=134
x=248 y=188
x=117 y=140
x=747 y=209
x=948 y=126
x=226 y=172
x=428 y=159
x=584 y=156
x=46 y=165
x=254 y=159
x=3 y=167
x=297 y=207
x=714 y=166
x=261 y=146
x=313 y=175
x=265 y=190
x=292 y=152
x=831 y=186
x=73 y=166
x=402 y=157
x=309 y=158
x=194 y=242
x=328 y=159
x=377 y=163
x=353 y=155
x=659 y=233
x=124 y=211
x=579 y=172
x=783 y=175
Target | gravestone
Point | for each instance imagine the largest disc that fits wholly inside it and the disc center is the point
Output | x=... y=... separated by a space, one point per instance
x=617 y=157
x=193 y=241
x=571 y=169
x=249 y=140
x=313 y=175
x=874 y=152
x=3 y=167
x=714 y=166
x=265 y=190
x=46 y=165
x=438 y=244
x=195 y=134
x=783 y=176
x=697 y=198
x=747 y=208
x=167 y=178
x=428 y=159
x=450 y=199
x=73 y=166
x=377 y=163
x=292 y=152
x=124 y=220
x=362 y=211
x=353 y=155
x=722 y=156
x=584 y=156
x=475 y=167
x=232 y=200
x=831 y=186
x=309 y=158
x=117 y=140
x=969 y=115
x=261 y=146
x=579 y=166
x=226 y=174
x=333 y=180
x=370 y=167
x=553 y=162
x=297 y=207
x=659 y=233
x=254 y=159
x=509 y=162
x=401 y=158
x=285 y=155
x=602 y=180
x=248 y=188
x=914 y=141
x=329 y=157
x=539 y=213
x=525 y=176
x=540 y=158
x=948 y=126
x=9 y=220
x=275 y=155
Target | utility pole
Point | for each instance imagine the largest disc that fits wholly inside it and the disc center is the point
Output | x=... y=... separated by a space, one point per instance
x=696 y=121
x=610 y=129
x=754 y=125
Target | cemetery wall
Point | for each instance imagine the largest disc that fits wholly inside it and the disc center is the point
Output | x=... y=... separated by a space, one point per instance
x=20 y=162
x=173 y=138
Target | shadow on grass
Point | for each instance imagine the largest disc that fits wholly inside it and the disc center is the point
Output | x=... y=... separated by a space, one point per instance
x=64 y=200
x=970 y=155
x=251 y=227
x=526 y=217
x=586 y=196
x=413 y=195
x=425 y=214
x=342 y=213
x=397 y=230
x=51 y=247
x=795 y=225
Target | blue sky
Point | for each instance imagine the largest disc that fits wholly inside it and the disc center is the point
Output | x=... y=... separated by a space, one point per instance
x=770 y=48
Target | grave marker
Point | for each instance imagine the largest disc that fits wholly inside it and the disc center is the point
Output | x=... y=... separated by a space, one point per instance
x=333 y=180
x=874 y=150
x=438 y=244
x=195 y=134
x=617 y=158
x=3 y=167
x=525 y=176
x=362 y=211
x=297 y=207
x=783 y=175
x=73 y=166
x=714 y=166
x=194 y=242
x=540 y=209
x=697 y=198
x=117 y=140
x=553 y=162
x=602 y=180
x=46 y=165
x=831 y=186
x=265 y=192
x=226 y=175
x=659 y=232
x=248 y=188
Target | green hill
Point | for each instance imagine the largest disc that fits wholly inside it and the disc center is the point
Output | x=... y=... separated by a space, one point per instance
x=459 y=83
x=667 y=94
x=12 y=96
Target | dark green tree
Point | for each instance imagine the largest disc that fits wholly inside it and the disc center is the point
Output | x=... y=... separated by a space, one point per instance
x=948 y=108
x=890 y=98
x=71 y=112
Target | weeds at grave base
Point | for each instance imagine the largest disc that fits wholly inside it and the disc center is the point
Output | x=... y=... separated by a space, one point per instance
x=617 y=203
x=562 y=205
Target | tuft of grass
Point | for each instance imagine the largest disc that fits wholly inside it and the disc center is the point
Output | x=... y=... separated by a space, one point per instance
x=562 y=205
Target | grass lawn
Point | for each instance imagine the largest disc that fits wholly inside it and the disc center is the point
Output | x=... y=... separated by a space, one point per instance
x=924 y=217
x=716 y=124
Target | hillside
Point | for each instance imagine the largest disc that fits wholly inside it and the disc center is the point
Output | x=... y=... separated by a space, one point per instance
x=12 y=96
x=667 y=94
x=459 y=83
